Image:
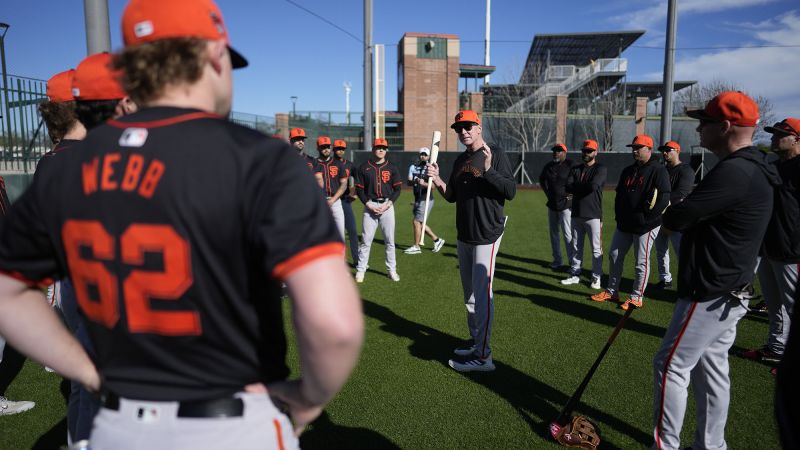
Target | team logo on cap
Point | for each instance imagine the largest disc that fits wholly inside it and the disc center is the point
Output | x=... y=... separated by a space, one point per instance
x=217 y=23
x=133 y=137
x=143 y=29
x=459 y=116
x=76 y=92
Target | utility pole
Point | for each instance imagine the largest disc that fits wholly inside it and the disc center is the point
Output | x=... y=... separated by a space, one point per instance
x=347 y=88
x=98 y=35
x=669 y=68
x=487 y=43
x=367 y=74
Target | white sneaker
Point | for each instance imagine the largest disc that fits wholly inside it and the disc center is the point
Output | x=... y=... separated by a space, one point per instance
x=595 y=283
x=473 y=365
x=438 y=245
x=7 y=407
x=359 y=277
x=394 y=276
x=413 y=250
x=571 y=280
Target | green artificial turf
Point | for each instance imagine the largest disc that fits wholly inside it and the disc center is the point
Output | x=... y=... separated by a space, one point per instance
x=546 y=336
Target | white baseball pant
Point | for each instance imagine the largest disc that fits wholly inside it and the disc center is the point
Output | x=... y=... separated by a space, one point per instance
x=778 y=284
x=580 y=227
x=662 y=252
x=476 y=267
x=560 y=219
x=620 y=244
x=370 y=224
x=338 y=216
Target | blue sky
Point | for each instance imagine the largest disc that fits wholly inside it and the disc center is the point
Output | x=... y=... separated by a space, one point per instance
x=291 y=52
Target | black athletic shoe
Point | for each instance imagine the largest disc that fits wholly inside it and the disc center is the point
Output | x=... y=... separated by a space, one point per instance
x=760 y=308
x=664 y=285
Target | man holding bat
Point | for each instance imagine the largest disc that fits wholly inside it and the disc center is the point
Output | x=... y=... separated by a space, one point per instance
x=416 y=179
x=642 y=195
x=480 y=183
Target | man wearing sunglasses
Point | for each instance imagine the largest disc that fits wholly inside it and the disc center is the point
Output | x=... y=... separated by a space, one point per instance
x=480 y=183
x=553 y=180
x=585 y=184
x=723 y=222
x=642 y=196
x=681 y=180
x=777 y=271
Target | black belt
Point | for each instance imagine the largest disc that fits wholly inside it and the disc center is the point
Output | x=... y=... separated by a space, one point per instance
x=380 y=200
x=214 y=408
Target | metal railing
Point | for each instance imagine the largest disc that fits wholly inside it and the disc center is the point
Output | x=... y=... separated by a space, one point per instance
x=23 y=136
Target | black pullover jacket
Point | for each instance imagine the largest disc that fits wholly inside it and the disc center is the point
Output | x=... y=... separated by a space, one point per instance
x=553 y=181
x=586 y=183
x=642 y=195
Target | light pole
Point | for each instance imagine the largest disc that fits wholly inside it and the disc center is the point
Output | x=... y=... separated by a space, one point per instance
x=294 y=105
x=3 y=29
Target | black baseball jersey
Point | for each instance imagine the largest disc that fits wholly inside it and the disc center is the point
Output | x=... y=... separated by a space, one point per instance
x=642 y=195
x=586 y=183
x=4 y=203
x=378 y=181
x=553 y=180
x=782 y=239
x=331 y=170
x=60 y=147
x=480 y=195
x=176 y=228
x=350 y=170
x=310 y=162
x=681 y=180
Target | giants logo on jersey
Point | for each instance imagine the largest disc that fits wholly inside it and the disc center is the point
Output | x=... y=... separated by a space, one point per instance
x=333 y=170
x=633 y=182
x=386 y=176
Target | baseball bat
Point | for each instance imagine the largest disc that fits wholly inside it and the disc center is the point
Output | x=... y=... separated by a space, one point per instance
x=437 y=136
x=565 y=416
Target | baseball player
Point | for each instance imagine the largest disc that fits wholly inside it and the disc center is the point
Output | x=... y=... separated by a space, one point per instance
x=378 y=185
x=339 y=147
x=723 y=223
x=181 y=288
x=777 y=271
x=11 y=361
x=642 y=195
x=480 y=183
x=58 y=112
x=332 y=177
x=585 y=184
x=297 y=138
x=553 y=181
x=98 y=95
x=416 y=179
x=681 y=180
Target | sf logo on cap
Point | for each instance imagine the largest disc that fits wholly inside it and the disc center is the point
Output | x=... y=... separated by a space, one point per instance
x=459 y=116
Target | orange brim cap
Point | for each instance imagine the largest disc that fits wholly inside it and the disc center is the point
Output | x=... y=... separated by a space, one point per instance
x=466 y=116
x=59 y=87
x=95 y=80
x=152 y=20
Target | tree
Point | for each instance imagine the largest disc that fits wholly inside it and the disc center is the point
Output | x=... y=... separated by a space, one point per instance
x=599 y=106
x=698 y=95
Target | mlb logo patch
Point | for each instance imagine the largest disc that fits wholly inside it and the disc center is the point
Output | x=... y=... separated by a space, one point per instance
x=133 y=137
x=143 y=29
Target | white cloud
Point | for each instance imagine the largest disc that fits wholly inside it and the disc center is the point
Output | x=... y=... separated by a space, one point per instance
x=766 y=71
x=656 y=11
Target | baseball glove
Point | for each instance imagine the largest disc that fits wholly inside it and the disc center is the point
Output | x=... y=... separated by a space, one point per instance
x=580 y=433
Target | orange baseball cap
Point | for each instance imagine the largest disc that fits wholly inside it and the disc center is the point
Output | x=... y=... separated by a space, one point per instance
x=152 y=20
x=59 y=87
x=670 y=145
x=641 y=140
x=297 y=133
x=339 y=143
x=380 y=142
x=591 y=144
x=94 y=79
x=323 y=140
x=559 y=148
x=466 y=116
x=735 y=107
x=789 y=125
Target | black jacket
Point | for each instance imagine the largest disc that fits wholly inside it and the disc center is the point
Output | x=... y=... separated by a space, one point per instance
x=723 y=223
x=681 y=181
x=480 y=195
x=553 y=180
x=782 y=240
x=586 y=183
x=642 y=195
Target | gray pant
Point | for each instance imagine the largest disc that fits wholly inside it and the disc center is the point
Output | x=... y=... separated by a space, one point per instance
x=154 y=425
x=695 y=347
x=338 y=216
x=370 y=224
x=778 y=283
x=560 y=219
x=662 y=252
x=476 y=265
x=620 y=244
x=579 y=228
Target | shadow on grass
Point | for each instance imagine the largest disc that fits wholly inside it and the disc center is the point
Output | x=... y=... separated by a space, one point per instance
x=56 y=436
x=588 y=312
x=323 y=433
x=536 y=402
